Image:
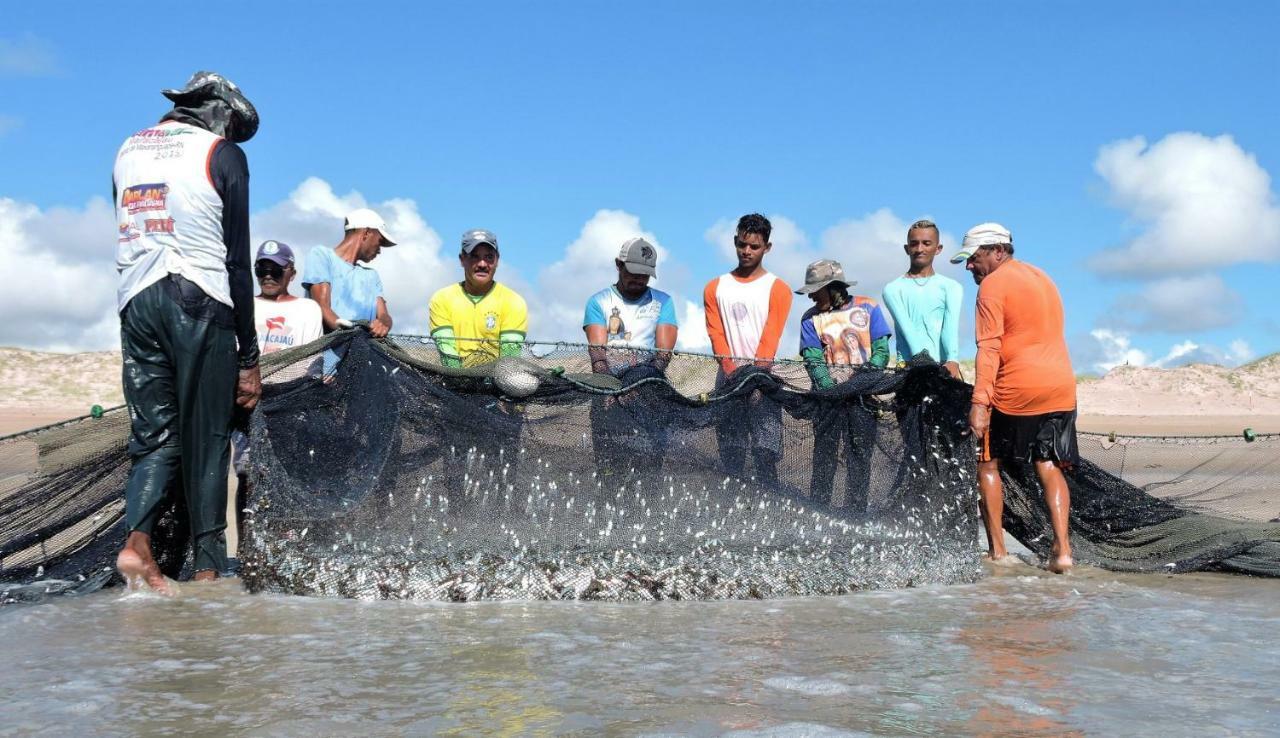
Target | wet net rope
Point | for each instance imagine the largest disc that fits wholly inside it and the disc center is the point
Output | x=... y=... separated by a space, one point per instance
x=529 y=477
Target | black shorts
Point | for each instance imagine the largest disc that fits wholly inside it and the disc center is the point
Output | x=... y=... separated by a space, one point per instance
x=1046 y=437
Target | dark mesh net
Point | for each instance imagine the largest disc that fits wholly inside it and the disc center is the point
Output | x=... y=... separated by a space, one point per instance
x=530 y=477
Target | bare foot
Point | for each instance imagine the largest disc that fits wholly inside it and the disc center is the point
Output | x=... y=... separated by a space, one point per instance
x=140 y=570
x=204 y=575
x=1003 y=560
x=1061 y=563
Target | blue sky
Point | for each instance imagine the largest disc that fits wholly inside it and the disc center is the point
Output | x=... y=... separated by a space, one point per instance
x=564 y=127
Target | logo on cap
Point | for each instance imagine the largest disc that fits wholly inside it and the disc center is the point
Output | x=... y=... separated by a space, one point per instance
x=270 y=247
x=647 y=253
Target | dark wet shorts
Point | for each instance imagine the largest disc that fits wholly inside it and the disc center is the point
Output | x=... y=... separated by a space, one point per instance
x=1047 y=437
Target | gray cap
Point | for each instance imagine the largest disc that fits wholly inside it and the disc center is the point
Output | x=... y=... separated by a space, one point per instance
x=638 y=256
x=821 y=273
x=473 y=238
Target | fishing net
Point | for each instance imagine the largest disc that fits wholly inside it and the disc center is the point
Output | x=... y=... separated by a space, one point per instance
x=530 y=477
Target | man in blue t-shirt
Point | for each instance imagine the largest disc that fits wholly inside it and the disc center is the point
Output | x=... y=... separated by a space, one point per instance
x=628 y=322
x=925 y=305
x=345 y=288
x=631 y=329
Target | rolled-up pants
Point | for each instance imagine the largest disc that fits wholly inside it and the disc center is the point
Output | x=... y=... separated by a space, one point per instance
x=180 y=377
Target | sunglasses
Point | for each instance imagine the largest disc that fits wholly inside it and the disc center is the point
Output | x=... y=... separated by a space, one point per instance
x=266 y=268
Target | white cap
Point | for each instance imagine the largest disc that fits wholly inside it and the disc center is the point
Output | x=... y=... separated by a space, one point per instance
x=366 y=218
x=983 y=234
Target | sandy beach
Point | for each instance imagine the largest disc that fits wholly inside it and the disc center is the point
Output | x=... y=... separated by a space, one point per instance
x=1199 y=399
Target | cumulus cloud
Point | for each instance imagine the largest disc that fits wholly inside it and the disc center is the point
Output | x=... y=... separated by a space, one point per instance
x=1179 y=305
x=411 y=270
x=28 y=56
x=1200 y=201
x=61 y=278
x=1104 y=349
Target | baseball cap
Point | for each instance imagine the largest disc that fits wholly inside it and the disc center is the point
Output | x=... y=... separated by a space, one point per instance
x=983 y=234
x=638 y=256
x=366 y=218
x=276 y=251
x=476 y=236
x=821 y=273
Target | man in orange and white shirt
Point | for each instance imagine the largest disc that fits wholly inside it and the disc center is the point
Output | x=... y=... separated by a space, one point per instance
x=746 y=311
x=1024 y=393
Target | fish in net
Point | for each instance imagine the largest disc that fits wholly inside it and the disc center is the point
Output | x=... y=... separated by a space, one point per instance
x=532 y=478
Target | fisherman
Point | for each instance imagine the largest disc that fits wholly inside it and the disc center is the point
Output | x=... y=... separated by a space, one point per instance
x=478 y=319
x=181 y=191
x=283 y=321
x=476 y=322
x=1024 y=394
x=631 y=329
x=340 y=279
x=840 y=331
x=925 y=305
x=746 y=310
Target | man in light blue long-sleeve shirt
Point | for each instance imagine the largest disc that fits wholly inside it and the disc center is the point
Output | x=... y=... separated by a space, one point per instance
x=925 y=305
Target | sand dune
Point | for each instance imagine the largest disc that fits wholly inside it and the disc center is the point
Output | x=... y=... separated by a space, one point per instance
x=43 y=387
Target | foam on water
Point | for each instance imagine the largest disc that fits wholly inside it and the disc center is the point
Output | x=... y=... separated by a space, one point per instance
x=1128 y=654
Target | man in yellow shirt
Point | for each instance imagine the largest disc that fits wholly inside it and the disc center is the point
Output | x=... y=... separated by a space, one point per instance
x=477 y=320
x=474 y=322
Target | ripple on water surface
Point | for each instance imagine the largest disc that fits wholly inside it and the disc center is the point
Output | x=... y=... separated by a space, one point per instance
x=1094 y=652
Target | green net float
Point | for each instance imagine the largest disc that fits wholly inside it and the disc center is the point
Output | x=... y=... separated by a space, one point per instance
x=1249 y=435
x=96 y=411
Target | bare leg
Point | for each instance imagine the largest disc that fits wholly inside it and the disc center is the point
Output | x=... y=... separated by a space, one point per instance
x=1057 y=496
x=138 y=566
x=992 y=505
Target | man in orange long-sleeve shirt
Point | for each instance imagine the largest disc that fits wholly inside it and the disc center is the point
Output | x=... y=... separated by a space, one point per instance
x=746 y=311
x=1024 y=394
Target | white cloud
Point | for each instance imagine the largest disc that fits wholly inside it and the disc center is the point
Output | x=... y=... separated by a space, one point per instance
x=1190 y=352
x=1203 y=202
x=1104 y=349
x=1179 y=305
x=411 y=270
x=61 y=283
x=1107 y=350
x=27 y=56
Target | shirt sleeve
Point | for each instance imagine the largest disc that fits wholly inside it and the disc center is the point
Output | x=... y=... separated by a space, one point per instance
x=779 y=311
x=229 y=172
x=950 y=338
x=990 y=333
x=667 y=313
x=808 y=334
x=316 y=270
x=879 y=326
x=441 y=330
x=594 y=314
x=715 y=325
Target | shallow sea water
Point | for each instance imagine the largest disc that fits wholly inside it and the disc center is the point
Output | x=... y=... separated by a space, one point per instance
x=1020 y=653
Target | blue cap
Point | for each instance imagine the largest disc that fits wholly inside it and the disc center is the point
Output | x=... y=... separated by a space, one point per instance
x=276 y=251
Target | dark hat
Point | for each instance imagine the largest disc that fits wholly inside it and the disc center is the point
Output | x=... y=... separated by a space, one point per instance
x=204 y=86
x=276 y=251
